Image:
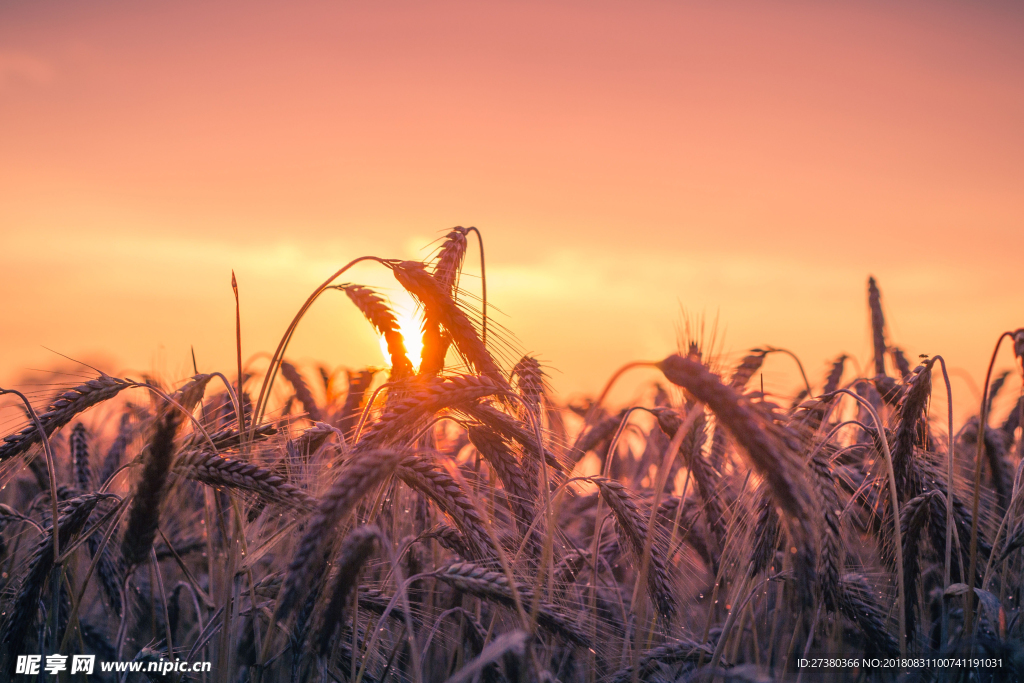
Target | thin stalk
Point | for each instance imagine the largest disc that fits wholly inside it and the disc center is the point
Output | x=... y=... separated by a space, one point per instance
x=238 y=350
x=483 y=282
x=946 y=572
x=163 y=600
x=978 y=456
x=592 y=411
x=799 y=365
x=275 y=360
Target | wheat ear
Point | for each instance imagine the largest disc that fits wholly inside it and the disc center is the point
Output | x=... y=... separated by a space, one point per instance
x=144 y=513
x=23 y=612
x=362 y=472
x=302 y=392
x=439 y=304
x=356 y=549
x=221 y=471
x=62 y=410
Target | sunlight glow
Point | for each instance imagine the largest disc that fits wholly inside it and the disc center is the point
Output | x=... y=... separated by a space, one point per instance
x=410 y=324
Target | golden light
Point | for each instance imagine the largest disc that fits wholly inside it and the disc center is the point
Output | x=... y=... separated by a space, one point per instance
x=410 y=324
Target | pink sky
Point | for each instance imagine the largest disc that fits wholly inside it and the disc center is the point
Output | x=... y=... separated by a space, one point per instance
x=624 y=161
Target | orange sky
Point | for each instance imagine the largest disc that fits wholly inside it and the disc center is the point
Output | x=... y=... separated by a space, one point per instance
x=623 y=160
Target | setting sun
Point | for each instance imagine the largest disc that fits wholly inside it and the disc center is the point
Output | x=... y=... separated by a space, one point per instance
x=410 y=324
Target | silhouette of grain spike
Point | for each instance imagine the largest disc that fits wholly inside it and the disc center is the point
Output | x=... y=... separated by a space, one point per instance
x=109 y=571
x=448 y=263
x=900 y=361
x=693 y=530
x=144 y=511
x=750 y=364
x=512 y=430
x=62 y=410
x=857 y=604
x=830 y=560
x=1012 y=421
x=380 y=315
x=191 y=392
x=303 y=622
x=450 y=538
x=816 y=409
x=302 y=391
x=23 y=612
x=911 y=422
x=422 y=399
x=1013 y=542
x=997 y=386
x=877 y=325
x=434 y=347
x=227 y=438
x=222 y=471
x=530 y=381
x=995 y=451
x=889 y=390
x=439 y=305
x=360 y=475
x=491 y=585
x=767 y=533
x=915 y=517
x=703 y=475
x=447 y=267
x=676 y=652
x=358 y=383
x=634 y=528
x=310 y=440
x=420 y=474
x=115 y=454
x=356 y=549
x=962 y=518
x=599 y=433
x=79 y=446
x=504 y=464
x=569 y=567
x=377 y=602
x=768 y=450
x=835 y=375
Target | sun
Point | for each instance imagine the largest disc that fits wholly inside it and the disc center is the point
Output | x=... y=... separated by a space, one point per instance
x=410 y=324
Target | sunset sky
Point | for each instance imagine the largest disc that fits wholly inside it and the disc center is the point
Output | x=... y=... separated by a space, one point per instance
x=625 y=162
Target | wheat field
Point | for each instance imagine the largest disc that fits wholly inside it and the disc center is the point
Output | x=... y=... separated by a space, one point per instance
x=446 y=518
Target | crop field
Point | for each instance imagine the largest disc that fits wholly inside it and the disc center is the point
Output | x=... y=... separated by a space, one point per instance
x=445 y=517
